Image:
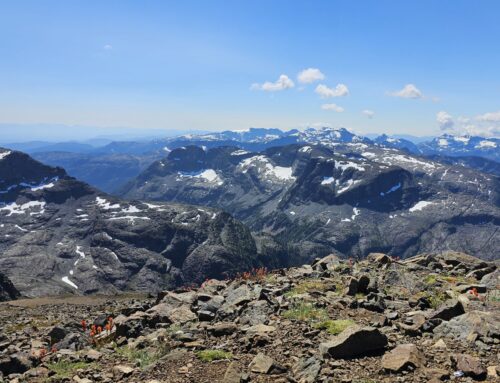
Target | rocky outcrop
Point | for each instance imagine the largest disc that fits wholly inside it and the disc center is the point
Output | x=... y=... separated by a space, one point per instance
x=7 y=290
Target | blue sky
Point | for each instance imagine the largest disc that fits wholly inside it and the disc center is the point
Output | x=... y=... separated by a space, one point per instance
x=403 y=67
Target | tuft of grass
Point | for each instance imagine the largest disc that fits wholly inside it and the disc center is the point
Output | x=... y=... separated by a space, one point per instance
x=430 y=279
x=307 y=286
x=334 y=327
x=66 y=369
x=305 y=312
x=436 y=299
x=211 y=355
x=142 y=358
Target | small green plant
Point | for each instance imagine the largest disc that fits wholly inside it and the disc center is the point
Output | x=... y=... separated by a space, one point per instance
x=334 y=327
x=66 y=369
x=305 y=312
x=430 y=279
x=143 y=358
x=436 y=299
x=211 y=355
x=307 y=286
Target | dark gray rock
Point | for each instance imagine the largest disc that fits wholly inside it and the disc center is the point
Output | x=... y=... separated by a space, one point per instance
x=354 y=341
x=17 y=363
x=450 y=309
x=7 y=290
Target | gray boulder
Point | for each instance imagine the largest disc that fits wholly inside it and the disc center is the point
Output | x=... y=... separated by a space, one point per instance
x=354 y=341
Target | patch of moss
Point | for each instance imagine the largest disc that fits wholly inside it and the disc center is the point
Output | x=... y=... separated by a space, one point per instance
x=211 y=355
x=334 y=327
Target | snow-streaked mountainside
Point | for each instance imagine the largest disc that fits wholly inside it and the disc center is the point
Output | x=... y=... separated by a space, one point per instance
x=450 y=145
x=111 y=166
x=60 y=235
x=352 y=198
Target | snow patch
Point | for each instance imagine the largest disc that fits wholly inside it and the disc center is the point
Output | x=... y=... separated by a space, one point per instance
x=105 y=205
x=393 y=189
x=420 y=205
x=486 y=144
x=67 y=281
x=443 y=142
x=344 y=165
x=4 y=154
x=327 y=181
x=14 y=208
x=207 y=175
x=239 y=153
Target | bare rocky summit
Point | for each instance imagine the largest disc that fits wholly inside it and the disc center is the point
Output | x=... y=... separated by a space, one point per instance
x=428 y=318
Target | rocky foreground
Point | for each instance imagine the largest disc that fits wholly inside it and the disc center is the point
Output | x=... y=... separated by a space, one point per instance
x=429 y=318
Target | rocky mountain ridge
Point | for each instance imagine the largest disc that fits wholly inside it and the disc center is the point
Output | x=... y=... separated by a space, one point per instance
x=351 y=198
x=58 y=235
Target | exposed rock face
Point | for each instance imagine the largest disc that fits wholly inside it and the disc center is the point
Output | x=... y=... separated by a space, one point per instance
x=7 y=290
x=59 y=235
x=351 y=198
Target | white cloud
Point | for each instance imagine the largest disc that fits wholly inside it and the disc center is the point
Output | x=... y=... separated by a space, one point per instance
x=310 y=75
x=108 y=47
x=325 y=92
x=333 y=107
x=489 y=117
x=484 y=125
x=408 y=91
x=368 y=113
x=283 y=82
x=445 y=121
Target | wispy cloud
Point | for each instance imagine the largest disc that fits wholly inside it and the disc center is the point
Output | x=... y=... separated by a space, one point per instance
x=445 y=121
x=333 y=107
x=326 y=92
x=368 y=113
x=408 y=91
x=310 y=75
x=489 y=117
x=108 y=47
x=283 y=82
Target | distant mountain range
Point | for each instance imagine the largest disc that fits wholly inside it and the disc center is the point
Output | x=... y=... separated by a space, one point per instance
x=294 y=195
x=109 y=167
